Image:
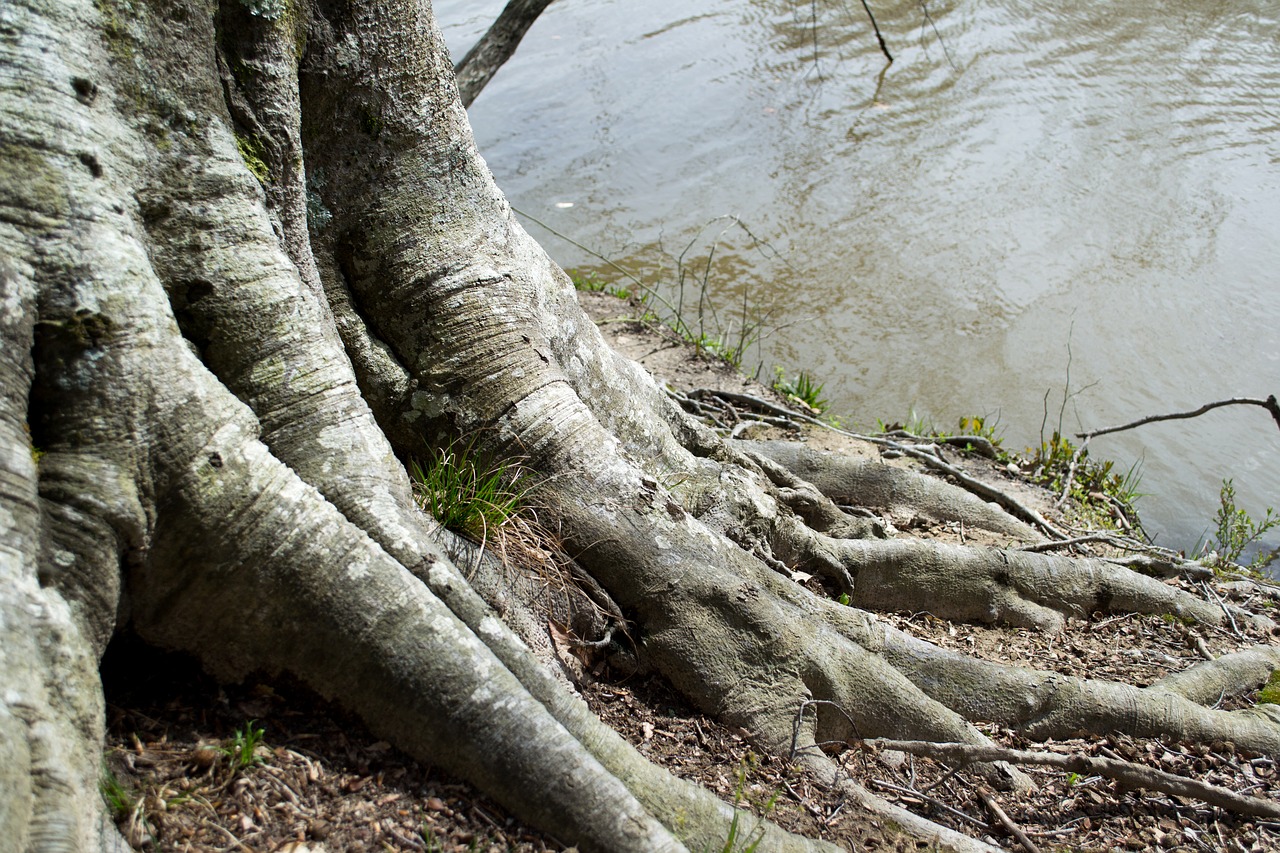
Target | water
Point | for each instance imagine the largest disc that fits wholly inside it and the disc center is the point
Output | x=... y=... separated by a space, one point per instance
x=1030 y=200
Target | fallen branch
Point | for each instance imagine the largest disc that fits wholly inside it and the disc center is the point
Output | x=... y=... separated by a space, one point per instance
x=1014 y=507
x=976 y=443
x=1125 y=772
x=1269 y=404
x=1209 y=593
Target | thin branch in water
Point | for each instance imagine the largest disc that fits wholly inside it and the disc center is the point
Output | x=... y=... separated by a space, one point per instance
x=626 y=273
x=924 y=9
x=884 y=48
x=1269 y=404
x=813 y=25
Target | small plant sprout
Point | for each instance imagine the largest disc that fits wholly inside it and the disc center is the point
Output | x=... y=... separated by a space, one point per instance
x=915 y=426
x=1058 y=463
x=429 y=839
x=738 y=840
x=978 y=426
x=242 y=750
x=588 y=281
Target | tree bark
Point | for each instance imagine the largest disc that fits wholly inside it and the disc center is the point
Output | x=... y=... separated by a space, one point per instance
x=250 y=264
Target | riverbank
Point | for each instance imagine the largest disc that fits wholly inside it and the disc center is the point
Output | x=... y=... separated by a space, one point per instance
x=192 y=775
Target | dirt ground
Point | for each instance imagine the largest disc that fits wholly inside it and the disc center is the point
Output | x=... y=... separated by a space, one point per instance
x=187 y=777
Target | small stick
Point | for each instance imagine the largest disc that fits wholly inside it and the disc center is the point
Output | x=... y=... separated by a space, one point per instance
x=1098 y=626
x=235 y=842
x=1067 y=543
x=1234 y=627
x=1071 y=474
x=1269 y=404
x=406 y=840
x=601 y=643
x=804 y=801
x=1007 y=821
x=1052 y=833
x=1125 y=772
x=912 y=792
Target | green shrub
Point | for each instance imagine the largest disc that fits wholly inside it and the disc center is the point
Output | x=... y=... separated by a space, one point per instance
x=1235 y=530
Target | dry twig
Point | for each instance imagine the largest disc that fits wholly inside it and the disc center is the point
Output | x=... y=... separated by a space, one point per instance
x=1269 y=404
x=1006 y=821
x=912 y=792
x=1125 y=772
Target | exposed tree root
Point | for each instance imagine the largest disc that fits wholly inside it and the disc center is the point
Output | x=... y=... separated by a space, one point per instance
x=1012 y=587
x=1052 y=705
x=896 y=492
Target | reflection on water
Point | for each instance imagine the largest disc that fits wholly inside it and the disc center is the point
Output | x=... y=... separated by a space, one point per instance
x=1083 y=198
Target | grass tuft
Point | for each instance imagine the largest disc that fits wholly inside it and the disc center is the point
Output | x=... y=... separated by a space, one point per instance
x=120 y=801
x=803 y=389
x=591 y=282
x=1270 y=693
x=468 y=493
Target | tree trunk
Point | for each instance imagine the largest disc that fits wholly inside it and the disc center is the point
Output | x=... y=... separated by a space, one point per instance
x=250 y=264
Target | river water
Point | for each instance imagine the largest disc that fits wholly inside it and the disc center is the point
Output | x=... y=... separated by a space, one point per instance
x=1032 y=199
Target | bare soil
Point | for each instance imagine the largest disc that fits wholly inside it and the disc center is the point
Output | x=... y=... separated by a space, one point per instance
x=318 y=781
